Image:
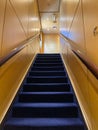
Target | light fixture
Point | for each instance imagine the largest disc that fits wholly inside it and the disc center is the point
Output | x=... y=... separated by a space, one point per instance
x=54 y=27
x=54 y=17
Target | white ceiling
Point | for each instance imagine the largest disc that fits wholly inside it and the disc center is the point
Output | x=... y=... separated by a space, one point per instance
x=49 y=14
x=48 y=5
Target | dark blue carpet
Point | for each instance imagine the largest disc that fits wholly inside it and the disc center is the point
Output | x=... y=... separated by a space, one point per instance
x=46 y=100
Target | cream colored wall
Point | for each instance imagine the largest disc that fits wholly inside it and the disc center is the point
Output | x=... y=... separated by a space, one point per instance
x=77 y=24
x=19 y=20
x=51 y=43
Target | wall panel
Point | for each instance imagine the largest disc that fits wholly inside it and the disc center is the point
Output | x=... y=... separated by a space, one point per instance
x=90 y=22
x=76 y=33
x=34 y=24
x=51 y=43
x=93 y=92
x=21 y=10
x=67 y=13
x=13 y=33
x=2 y=11
x=81 y=85
x=71 y=11
x=21 y=22
x=63 y=18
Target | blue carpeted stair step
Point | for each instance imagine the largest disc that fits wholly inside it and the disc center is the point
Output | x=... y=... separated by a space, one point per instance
x=52 y=79
x=46 y=97
x=47 y=73
x=55 y=68
x=45 y=110
x=46 y=87
x=46 y=100
x=48 y=61
x=44 y=124
x=47 y=64
x=48 y=56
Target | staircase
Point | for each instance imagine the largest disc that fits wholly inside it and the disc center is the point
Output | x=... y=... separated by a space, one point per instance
x=46 y=101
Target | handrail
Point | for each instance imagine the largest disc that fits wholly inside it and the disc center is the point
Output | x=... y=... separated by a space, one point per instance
x=17 y=49
x=88 y=63
x=92 y=67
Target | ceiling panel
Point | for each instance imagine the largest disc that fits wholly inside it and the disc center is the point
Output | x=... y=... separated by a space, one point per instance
x=49 y=14
x=48 y=5
x=50 y=22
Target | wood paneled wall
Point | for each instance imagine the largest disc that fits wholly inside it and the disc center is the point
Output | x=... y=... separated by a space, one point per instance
x=78 y=18
x=51 y=43
x=19 y=20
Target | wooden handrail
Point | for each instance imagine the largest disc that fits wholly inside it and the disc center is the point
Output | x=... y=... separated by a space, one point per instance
x=18 y=49
x=85 y=60
x=92 y=67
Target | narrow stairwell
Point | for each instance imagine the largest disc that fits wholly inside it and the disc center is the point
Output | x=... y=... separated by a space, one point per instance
x=46 y=101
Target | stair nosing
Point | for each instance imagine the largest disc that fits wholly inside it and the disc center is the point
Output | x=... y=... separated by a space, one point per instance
x=46 y=105
x=48 y=93
x=38 y=122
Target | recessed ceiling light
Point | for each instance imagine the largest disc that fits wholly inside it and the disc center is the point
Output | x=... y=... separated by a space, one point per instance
x=54 y=27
